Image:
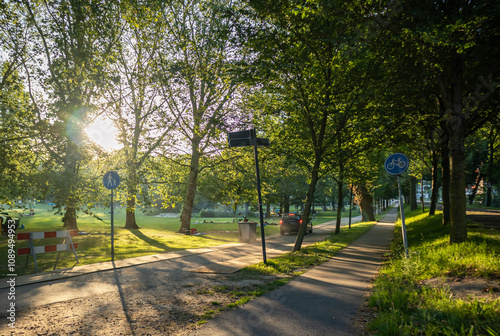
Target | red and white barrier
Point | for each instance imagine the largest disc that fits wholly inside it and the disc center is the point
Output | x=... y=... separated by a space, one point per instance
x=33 y=250
x=45 y=235
x=46 y=248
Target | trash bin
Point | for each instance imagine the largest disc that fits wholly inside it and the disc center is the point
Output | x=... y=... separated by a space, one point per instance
x=248 y=232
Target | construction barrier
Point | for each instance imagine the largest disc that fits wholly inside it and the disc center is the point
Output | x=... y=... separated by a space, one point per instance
x=33 y=250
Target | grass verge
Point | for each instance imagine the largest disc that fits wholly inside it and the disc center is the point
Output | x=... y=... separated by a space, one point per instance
x=279 y=270
x=155 y=235
x=406 y=301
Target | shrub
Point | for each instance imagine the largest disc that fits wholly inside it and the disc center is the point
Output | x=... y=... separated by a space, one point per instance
x=211 y=213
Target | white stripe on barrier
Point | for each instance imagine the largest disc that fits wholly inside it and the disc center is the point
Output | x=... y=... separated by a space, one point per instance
x=61 y=234
x=39 y=249
x=63 y=247
x=37 y=235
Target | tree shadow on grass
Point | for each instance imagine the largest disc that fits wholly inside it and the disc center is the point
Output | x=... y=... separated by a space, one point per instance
x=221 y=239
x=150 y=241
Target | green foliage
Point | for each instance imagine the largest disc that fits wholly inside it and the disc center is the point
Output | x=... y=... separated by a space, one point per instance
x=17 y=146
x=406 y=306
x=210 y=213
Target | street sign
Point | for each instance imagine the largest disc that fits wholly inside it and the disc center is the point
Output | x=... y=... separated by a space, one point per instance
x=244 y=138
x=396 y=164
x=111 y=180
x=242 y=142
x=262 y=142
x=249 y=138
x=247 y=134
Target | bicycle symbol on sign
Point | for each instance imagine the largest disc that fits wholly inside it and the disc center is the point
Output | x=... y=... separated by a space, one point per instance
x=396 y=163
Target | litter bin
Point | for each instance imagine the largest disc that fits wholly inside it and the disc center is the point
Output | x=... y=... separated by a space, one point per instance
x=248 y=232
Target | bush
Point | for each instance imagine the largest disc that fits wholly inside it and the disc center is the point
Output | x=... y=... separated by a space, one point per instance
x=212 y=213
x=152 y=212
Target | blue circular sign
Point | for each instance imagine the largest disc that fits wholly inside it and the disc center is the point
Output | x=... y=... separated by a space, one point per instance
x=111 y=180
x=396 y=164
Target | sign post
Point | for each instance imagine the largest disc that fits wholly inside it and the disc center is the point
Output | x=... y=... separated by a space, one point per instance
x=397 y=164
x=249 y=138
x=111 y=181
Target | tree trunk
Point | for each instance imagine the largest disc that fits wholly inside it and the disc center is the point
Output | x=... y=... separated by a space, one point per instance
x=132 y=183
x=187 y=210
x=235 y=208
x=68 y=186
x=339 y=204
x=422 y=192
x=268 y=210
x=69 y=218
x=365 y=202
x=413 y=193
x=130 y=222
x=475 y=188
x=458 y=228
x=286 y=203
x=435 y=186
x=309 y=200
x=490 y=168
x=445 y=178
x=350 y=205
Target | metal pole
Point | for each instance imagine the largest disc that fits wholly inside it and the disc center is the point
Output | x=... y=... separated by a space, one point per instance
x=257 y=172
x=405 y=242
x=112 y=230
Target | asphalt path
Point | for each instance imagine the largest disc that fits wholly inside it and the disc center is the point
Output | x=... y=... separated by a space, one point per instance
x=146 y=273
x=321 y=302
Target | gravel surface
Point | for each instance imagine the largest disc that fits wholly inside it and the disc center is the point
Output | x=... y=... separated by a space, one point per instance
x=161 y=298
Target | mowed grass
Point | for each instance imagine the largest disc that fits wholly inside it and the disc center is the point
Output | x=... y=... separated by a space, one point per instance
x=155 y=235
x=327 y=216
x=406 y=306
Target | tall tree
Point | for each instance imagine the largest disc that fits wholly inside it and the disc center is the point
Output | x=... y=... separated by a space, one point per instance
x=201 y=81
x=457 y=45
x=18 y=150
x=136 y=103
x=493 y=146
x=305 y=50
x=71 y=46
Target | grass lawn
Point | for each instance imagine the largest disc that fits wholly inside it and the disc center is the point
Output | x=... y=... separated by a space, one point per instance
x=405 y=295
x=156 y=235
x=327 y=216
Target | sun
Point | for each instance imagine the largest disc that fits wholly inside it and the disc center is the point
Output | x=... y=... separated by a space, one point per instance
x=103 y=132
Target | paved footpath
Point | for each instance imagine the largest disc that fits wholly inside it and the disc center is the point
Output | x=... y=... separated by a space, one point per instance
x=97 y=279
x=320 y=302
x=323 y=301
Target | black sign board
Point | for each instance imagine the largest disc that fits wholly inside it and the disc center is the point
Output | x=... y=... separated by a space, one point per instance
x=241 y=134
x=240 y=142
x=244 y=138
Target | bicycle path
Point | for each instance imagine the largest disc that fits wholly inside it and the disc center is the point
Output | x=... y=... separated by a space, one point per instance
x=96 y=279
x=322 y=301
